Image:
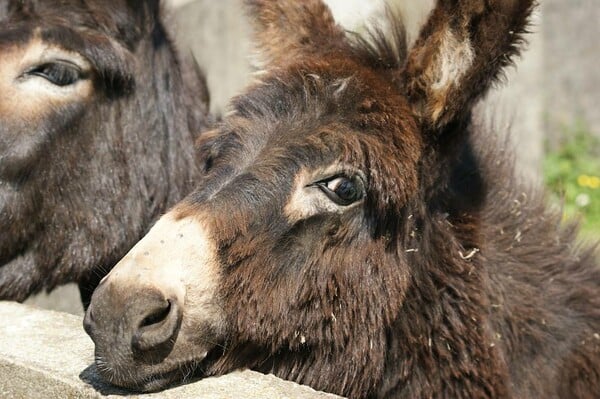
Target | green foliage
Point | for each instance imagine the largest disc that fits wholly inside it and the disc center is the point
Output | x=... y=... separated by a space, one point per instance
x=572 y=174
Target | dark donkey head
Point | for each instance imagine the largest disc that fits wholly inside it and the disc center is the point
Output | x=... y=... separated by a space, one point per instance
x=96 y=133
x=297 y=253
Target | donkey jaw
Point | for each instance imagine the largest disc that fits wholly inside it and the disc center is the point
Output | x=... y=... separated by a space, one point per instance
x=157 y=312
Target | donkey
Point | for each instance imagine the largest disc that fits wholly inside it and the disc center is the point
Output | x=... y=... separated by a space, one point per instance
x=98 y=116
x=356 y=232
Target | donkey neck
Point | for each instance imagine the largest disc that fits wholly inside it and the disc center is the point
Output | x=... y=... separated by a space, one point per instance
x=443 y=317
x=443 y=321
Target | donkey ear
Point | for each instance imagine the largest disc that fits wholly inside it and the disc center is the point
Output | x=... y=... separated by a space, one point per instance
x=460 y=51
x=287 y=28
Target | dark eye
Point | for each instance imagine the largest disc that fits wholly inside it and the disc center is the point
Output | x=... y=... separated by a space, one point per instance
x=343 y=190
x=58 y=73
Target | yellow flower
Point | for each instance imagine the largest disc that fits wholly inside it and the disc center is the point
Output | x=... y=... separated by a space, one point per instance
x=588 y=181
x=582 y=180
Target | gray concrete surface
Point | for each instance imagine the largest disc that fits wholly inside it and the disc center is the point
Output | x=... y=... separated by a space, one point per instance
x=46 y=354
x=63 y=299
x=571 y=33
x=218 y=34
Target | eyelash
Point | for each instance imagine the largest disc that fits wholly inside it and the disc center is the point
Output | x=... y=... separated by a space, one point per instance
x=58 y=73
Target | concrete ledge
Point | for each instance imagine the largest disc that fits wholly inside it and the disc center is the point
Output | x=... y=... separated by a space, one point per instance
x=47 y=354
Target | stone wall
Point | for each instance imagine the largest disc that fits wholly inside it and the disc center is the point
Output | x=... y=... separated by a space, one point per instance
x=46 y=354
x=217 y=33
x=571 y=72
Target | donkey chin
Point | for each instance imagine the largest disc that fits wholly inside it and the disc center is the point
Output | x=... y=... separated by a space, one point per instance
x=150 y=328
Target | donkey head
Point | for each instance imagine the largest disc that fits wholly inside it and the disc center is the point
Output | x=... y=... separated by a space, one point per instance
x=49 y=73
x=79 y=109
x=292 y=256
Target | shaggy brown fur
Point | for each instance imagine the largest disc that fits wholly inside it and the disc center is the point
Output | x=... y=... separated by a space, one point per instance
x=445 y=278
x=81 y=182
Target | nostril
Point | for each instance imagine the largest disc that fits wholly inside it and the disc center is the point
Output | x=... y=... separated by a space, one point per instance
x=160 y=326
x=157 y=316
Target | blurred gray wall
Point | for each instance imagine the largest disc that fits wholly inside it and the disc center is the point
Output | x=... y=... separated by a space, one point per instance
x=571 y=88
x=218 y=35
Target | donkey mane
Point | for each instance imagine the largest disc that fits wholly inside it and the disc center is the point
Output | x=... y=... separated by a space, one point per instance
x=379 y=48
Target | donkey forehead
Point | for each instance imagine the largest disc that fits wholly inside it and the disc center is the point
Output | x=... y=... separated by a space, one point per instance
x=293 y=105
x=71 y=13
x=23 y=33
x=18 y=30
x=317 y=88
x=336 y=108
x=63 y=20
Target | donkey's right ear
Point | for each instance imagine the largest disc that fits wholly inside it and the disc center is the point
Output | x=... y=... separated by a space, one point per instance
x=461 y=50
x=286 y=29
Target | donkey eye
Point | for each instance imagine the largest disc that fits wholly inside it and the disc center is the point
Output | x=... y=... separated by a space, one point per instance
x=58 y=73
x=343 y=190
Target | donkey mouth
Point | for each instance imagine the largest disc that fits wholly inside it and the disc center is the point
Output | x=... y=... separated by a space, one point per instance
x=155 y=380
x=179 y=373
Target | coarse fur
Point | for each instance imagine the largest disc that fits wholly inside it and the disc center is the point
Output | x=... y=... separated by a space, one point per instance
x=86 y=167
x=446 y=278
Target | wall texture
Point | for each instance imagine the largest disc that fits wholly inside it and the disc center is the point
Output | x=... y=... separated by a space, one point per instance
x=45 y=354
x=571 y=73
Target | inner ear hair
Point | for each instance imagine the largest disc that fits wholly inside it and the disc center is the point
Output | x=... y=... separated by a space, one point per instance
x=460 y=52
x=286 y=29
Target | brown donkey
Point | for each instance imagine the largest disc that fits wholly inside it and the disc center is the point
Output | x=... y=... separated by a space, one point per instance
x=97 y=122
x=355 y=232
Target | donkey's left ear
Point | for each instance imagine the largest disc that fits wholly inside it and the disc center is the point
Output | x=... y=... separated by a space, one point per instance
x=459 y=53
x=288 y=28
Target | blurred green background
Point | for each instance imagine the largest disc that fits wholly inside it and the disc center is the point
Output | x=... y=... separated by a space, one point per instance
x=572 y=174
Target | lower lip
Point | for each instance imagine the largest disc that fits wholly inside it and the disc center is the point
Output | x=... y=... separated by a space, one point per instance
x=176 y=376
